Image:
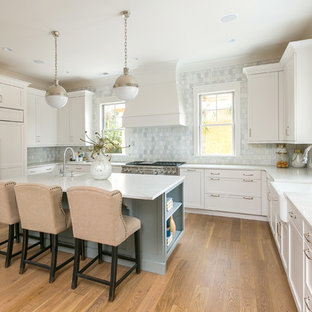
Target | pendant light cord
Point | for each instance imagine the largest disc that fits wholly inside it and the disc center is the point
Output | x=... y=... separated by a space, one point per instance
x=126 y=41
x=55 y=64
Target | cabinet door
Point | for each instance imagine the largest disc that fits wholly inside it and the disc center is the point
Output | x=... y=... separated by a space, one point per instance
x=77 y=120
x=193 y=187
x=11 y=97
x=296 y=264
x=12 y=152
x=285 y=245
x=63 y=125
x=263 y=97
x=289 y=101
x=46 y=122
x=31 y=120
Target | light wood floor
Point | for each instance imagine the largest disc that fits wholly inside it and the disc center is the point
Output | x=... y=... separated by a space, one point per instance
x=220 y=264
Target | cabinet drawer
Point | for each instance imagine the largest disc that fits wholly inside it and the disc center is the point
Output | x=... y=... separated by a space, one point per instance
x=78 y=168
x=234 y=204
x=236 y=174
x=41 y=169
x=11 y=115
x=296 y=217
x=10 y=96
x=233 y=186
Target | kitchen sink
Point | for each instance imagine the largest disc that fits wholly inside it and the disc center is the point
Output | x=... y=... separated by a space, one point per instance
x=284 y=187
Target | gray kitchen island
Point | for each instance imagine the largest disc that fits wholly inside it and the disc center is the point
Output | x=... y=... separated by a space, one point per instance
x=144 y=197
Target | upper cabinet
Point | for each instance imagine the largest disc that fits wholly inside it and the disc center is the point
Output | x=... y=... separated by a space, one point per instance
x=41 y=120
x=75 y=118
x=263 y=103
x=280 y=96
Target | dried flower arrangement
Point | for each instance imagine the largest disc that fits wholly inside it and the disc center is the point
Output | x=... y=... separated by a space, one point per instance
x=100 y=144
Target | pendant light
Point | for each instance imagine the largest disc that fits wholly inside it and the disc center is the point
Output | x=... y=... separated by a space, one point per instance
x=126 y=87
x=56 y=95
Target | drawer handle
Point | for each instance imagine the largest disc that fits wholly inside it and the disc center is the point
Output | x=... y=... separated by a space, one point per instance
x=215 y=195
x=248 y=180
x=215 y=179
x=292 y=215
x=248 y=174
x=48 y=169
x=32 y=171
x=307 y=303
x=214 y=173
x=192 y=170
x=308 y=237
x=307 y=252
x=248 y=197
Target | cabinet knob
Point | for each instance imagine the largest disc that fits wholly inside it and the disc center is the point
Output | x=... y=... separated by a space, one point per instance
x=307 y=252
x=308 y=237
x=292 y=215
x=248 y=197
x=307 y=301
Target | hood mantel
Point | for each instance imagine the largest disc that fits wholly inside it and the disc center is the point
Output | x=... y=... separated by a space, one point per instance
x=157 y=103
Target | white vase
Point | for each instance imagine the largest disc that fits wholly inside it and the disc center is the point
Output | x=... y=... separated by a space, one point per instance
x=101 y=168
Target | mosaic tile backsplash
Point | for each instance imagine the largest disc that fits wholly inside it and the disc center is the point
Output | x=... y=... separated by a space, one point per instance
x=176 y=143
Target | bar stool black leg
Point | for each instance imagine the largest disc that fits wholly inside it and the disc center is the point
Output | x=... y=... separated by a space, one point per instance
x=137 y=251
x=10 y=246
x=53 y=258
x=24 y=251
x=78 y=245
x=17 y=232
x=112 y=285
x=41 y=240
x=83 y=249
x=51 y=242
x=100 y=253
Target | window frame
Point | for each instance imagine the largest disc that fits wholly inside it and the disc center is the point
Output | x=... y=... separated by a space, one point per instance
x=101 y=107
x=217 y=89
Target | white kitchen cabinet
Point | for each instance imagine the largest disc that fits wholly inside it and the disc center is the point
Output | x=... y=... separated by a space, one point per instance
x=296 y=258
x=263 y=107
x=41 y=120
x=75 y=118
x=297 y=63
x=42 y=169
x=193 y=187
x=11 y=96
x=285 y=245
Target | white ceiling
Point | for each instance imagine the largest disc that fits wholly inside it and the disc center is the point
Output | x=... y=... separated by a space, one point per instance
x=91 y=39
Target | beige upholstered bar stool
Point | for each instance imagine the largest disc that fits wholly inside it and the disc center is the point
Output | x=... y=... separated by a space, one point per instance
x=40 y=209
x=97 y=216
x=9 y=215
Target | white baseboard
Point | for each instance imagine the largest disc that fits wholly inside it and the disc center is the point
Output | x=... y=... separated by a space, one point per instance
x=226 y=214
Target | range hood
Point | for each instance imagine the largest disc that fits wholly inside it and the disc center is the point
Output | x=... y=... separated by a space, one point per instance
x=157 y=103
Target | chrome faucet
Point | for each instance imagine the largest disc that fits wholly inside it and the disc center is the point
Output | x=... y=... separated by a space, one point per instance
x=306 y=154
x=63 y=172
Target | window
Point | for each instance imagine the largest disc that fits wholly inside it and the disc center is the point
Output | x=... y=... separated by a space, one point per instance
x=111 y=125
x=216 y=120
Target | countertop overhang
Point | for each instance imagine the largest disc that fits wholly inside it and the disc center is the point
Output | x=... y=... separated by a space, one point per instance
x=132 y=186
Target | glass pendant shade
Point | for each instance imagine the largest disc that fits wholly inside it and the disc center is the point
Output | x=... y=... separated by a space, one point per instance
x=56 y=96
x=126 y=87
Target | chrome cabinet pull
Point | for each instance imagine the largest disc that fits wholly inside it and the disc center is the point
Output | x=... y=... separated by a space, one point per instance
x=248 y=180
x=215 y=179
x=248 y=197
x=250 y=132
x=214 y=173
x=248 y=175
x=308 y=237
x=307 y=252
x=307 y=303
x=1 y=98
x=215 y=195
x=192 y=170
x=292 y=215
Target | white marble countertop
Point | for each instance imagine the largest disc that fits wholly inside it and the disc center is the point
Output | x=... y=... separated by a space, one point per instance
x=41 y=164
x=303 y=202
x=291 y=175
x=132 y=186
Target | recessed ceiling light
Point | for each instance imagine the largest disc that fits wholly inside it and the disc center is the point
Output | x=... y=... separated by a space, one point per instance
x=6 y=49
x=38 y=61
x=231 y=40
x=228 y=18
